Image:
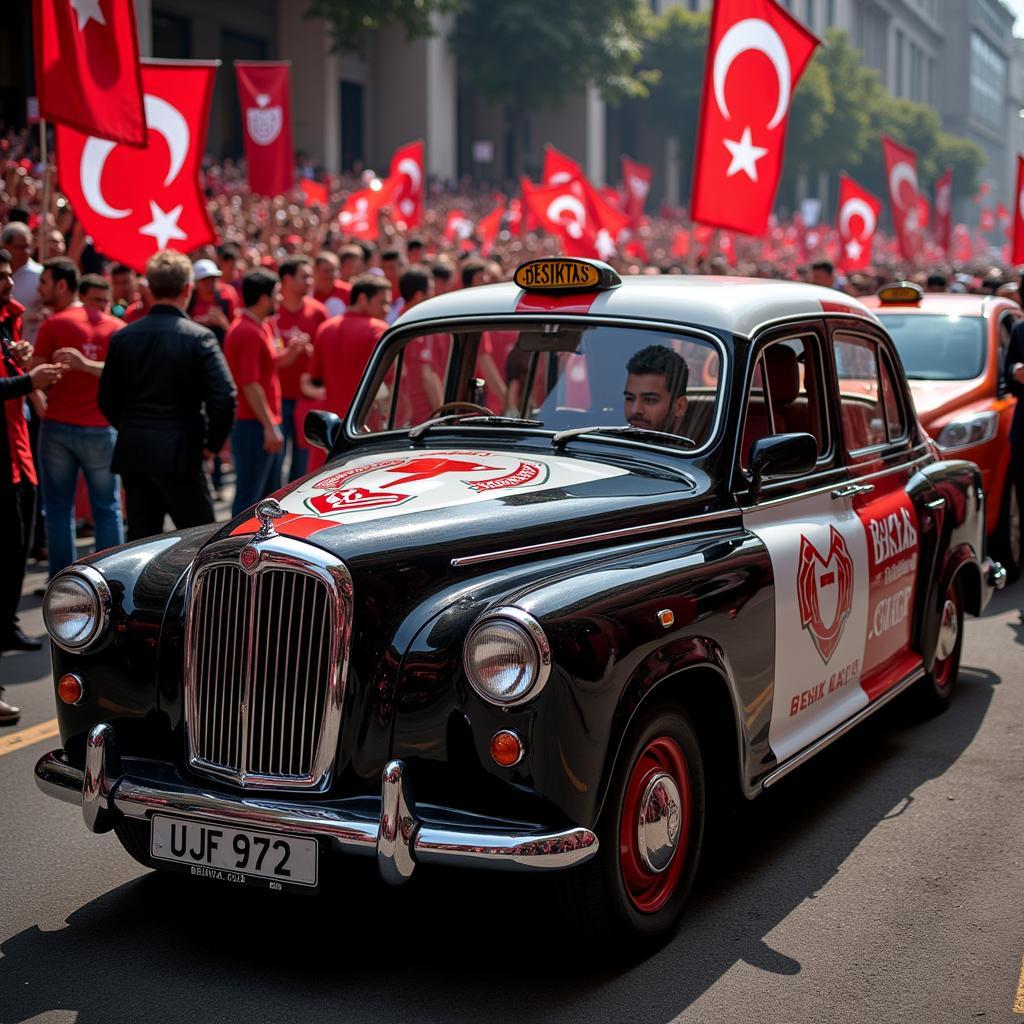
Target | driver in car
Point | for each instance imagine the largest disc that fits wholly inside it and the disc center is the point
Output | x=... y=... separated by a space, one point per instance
x=655 y=392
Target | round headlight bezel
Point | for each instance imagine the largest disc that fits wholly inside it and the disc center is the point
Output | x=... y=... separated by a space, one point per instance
x=531 y=632
x=96 y=585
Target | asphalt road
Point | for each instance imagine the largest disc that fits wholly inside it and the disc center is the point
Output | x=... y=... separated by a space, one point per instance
x=882 y=882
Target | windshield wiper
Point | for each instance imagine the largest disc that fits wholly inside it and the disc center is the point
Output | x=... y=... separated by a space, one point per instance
x=640 y=433
x=474 y=418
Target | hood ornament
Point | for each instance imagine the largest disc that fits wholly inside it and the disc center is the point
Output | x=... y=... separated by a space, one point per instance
x=266 y=512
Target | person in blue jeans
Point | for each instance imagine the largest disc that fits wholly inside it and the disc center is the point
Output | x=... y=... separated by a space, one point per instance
x=75 y=436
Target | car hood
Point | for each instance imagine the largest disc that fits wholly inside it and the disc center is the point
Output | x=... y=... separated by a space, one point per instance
x=460 y=501
x=935 y=398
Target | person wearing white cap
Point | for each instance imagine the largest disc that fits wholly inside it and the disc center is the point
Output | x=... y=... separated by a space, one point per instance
x=213 y=303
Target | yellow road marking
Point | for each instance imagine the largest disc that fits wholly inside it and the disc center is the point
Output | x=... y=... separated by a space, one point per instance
x=26 y=737
x=1018 y=1003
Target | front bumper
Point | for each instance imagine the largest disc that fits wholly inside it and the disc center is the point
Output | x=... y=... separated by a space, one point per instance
x=389 y=828
x=993 y=575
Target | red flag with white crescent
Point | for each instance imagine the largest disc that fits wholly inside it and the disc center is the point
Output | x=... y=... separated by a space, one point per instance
x=1017 y=249
x=757 y=52
x=264 y=95
x=857 y=222
x=488 y=226
x=944 y=210
x=987 y=220
x=315 y=192
x=87 y=68
x=636 y=184
x=457 y=226
x=135 y=202
x=904 y=195
x=358 y=216
x=409 y=177
x=559 y=169
x=565 y=211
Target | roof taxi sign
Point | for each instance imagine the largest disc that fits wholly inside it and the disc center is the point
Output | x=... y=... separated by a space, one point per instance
x=902 y=293
x=561 y=274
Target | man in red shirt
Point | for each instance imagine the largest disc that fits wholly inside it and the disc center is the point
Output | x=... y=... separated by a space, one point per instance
x=94 y=291
x=17 y=471
x=255 y=355
x=298 y=318
x=214 y=304
x=75 y=435
x=137 y=310
x=343 y=345
x=327 y=288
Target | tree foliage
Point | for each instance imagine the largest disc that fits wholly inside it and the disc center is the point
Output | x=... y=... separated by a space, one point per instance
x=533 y=54
x=351 y=21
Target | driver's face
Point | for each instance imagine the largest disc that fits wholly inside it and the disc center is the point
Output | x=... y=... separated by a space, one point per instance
x=648 y=404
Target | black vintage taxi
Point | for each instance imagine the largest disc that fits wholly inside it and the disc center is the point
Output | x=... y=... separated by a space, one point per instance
x=586 y=554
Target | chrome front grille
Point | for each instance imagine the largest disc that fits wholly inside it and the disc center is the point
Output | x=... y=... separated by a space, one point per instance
x=265 y=665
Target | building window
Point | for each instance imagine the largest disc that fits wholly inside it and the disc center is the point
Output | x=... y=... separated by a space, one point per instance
x=916 y=63
x=988 y=82
x=172 y=36
x=809 y=14
x=897 y=85
x=869 y=35
x=830 y=14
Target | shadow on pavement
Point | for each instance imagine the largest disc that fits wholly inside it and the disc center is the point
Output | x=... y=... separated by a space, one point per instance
x=460 y=947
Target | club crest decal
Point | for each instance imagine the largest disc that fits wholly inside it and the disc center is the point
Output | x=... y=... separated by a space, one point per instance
x=824 y=589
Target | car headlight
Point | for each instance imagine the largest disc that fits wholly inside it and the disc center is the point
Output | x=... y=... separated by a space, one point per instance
x=507 y=657
x=968 y=430
x=76 y=609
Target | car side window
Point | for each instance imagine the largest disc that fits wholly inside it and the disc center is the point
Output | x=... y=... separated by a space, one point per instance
x=895 y=419
x=785 y=394
x=860 y=393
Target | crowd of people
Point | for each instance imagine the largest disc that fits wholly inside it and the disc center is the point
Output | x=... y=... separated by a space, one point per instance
x=149 y=389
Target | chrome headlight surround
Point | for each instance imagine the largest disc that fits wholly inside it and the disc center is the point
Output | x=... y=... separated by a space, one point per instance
x=93 y=588
x=517 y=629
x=966 y=431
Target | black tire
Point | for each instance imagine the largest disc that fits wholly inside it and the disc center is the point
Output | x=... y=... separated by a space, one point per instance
x=597 y=896
x=1007 y=541
x=134 y=837
x=933 y=693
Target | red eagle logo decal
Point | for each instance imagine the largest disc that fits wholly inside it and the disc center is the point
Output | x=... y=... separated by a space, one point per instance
x=824 y=587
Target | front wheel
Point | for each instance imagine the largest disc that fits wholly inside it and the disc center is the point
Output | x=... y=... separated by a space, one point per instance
x=651 y=833
x=935 y=690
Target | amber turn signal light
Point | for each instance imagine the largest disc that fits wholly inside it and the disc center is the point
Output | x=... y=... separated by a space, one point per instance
x=71 y=688
x=507 y=748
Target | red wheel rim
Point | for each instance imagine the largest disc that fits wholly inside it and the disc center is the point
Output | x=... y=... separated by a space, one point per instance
x=942 y=670
x=649 y=890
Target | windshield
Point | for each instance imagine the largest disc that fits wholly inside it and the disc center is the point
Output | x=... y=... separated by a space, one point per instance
x=936 y=347
x=566 y=376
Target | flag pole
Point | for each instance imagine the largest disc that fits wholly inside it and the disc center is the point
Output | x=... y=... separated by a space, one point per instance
x=44 y=159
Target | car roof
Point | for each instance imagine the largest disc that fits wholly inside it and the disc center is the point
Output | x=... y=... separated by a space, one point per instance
x=945 y=303
x=733 y=304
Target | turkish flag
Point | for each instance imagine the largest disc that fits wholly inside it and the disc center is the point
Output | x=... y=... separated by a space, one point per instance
x=987 y=221
x=358 y=216
x=488 y=226
x=135 y=202
x=904 y=195
x=564 y=211
x=87 y=67
x=559 y=169
x=314 y=191
x=857 y=221
x=264 y=94
x=457 y=226
x=1017 y=251
x=603 y=214
x=636 y=183
x=408 y=174
x=943 y=210
x=757 y=52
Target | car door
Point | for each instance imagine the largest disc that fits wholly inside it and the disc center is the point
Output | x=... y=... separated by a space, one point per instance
x=815 y=539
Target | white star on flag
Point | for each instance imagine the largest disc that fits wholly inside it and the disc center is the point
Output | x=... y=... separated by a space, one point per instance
x=164 y=226
x=744 y=156
x=854 y=249
x=88 y=10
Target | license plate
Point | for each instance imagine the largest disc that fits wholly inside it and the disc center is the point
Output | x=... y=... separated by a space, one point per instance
x=239 y=855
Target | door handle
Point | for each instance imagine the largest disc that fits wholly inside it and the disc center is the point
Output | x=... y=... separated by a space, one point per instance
x=935 y=502
x=852 y=490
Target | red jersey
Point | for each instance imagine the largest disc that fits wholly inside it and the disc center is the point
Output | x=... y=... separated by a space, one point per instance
x=305 y=320
x=341 y=350
x=227 y=299
x=336 y=301
x=22 y=467
x=72 y=399
x=251 y=351
x=136 y=311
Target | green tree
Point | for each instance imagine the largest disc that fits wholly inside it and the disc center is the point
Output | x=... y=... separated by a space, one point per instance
x=351 y=21
x=526 y=54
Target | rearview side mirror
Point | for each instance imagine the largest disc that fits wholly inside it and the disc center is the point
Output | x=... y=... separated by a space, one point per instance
x=321 y=428
x=780 y=456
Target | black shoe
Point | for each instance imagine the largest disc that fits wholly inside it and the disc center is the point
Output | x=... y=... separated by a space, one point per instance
x=16 y=640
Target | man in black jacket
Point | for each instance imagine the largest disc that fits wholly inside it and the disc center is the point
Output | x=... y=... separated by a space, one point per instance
x=167 y=390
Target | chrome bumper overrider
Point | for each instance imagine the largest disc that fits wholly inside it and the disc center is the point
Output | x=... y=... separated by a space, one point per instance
x=994 y=573
x=388 y=829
